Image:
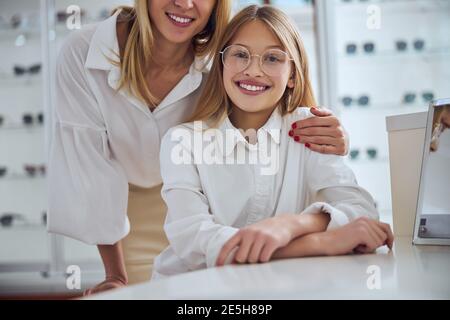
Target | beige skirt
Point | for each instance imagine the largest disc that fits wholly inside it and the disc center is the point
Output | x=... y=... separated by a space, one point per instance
x=146 y=212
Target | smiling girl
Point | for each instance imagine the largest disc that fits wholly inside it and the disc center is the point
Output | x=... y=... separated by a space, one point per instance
x=220 y=211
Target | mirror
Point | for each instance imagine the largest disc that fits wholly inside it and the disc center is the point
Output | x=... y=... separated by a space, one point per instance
x=432 y=224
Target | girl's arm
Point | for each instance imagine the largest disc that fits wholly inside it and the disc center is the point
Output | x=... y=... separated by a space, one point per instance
x=363 y=235
x=334 y=189
x=258 y=242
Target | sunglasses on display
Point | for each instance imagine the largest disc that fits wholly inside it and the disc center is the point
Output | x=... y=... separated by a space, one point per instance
x=32 y=70
x=410 y=97
x=33 y=170
x=29 y=119
x=3 y=171
x=362 y=101
x=352 y=48
x=402 y=45
x=371 y=153
x=7 y=219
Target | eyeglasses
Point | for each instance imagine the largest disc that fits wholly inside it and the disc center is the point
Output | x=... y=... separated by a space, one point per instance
x=20 y=70
x=273 y=62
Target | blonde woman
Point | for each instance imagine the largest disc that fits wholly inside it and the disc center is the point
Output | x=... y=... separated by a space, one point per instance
x=121 y=84
x=224 y=207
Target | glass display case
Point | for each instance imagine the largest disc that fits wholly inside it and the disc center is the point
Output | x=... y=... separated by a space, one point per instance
x=379 y=58
x=25 y=244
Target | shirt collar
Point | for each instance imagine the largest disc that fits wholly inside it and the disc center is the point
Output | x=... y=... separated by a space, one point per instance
x=104 y=46
x=272 y=128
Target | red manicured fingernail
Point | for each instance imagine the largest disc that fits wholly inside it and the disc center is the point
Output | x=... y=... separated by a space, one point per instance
x=291 y=133
x=294 y=126
x=308 y=145
x=297 y=139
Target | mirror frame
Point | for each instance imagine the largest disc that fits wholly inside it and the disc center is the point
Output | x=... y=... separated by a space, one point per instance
x=426 y=152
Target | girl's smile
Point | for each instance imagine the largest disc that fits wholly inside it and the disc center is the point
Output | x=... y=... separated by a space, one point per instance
x=252 y=87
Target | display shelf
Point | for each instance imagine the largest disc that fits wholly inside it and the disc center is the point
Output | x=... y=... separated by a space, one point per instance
x=393 y=65
x=393 y=56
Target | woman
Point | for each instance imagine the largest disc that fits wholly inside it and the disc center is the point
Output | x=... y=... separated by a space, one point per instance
x=121 y=84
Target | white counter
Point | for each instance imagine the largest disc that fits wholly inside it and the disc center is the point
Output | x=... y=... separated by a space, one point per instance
x=409 y=272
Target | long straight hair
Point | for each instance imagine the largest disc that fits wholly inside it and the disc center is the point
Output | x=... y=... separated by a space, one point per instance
x=139 y=46
x=214 y=105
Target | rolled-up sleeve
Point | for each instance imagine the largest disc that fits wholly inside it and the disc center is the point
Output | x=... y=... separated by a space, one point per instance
x=88 y=189
x=194 y=235
x=334 y=189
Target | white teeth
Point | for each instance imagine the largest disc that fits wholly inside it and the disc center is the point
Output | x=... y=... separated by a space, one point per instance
x=251 y=88
x=179 y=19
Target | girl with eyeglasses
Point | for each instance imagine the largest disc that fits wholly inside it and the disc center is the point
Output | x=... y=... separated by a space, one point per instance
x=237 y=188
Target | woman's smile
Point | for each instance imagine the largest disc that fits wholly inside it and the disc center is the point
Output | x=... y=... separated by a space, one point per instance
x=180 y=20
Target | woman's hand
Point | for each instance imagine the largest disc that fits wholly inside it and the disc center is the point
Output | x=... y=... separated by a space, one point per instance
x=363 y=235
x=109 y=284
x=322 y=133
x=257 y=242
x=113 y=261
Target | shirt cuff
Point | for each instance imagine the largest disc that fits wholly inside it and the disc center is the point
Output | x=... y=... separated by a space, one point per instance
x=216 y=244
x=337 y=217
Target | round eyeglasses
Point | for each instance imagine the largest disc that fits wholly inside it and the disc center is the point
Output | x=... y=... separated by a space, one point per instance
x=273 y=62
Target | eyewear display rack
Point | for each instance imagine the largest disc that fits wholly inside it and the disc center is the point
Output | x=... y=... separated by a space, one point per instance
x=31 y=34
x=380 y=58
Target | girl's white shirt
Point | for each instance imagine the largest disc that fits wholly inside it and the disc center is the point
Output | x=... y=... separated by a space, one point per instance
x=210 y=195
x=105 y=139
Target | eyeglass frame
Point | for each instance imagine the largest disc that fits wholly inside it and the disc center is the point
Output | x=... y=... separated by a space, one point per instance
x=222 y=53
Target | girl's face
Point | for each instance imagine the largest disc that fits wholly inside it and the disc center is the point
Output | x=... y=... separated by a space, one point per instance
x=178 y=21
x=256 y=88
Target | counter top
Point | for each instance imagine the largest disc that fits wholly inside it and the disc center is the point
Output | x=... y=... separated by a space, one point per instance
x=407 y=272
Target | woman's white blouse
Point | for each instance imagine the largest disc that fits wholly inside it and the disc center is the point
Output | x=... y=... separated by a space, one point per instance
x=103 y=139
x=209 y=200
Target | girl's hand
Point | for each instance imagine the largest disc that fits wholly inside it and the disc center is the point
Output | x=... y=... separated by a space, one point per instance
x=108 y=284
x=362 y=235
x=322 y=133
x=257 y=242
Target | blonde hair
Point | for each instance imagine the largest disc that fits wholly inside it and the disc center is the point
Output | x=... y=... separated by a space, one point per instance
x=140 y=45
x=214 y=104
